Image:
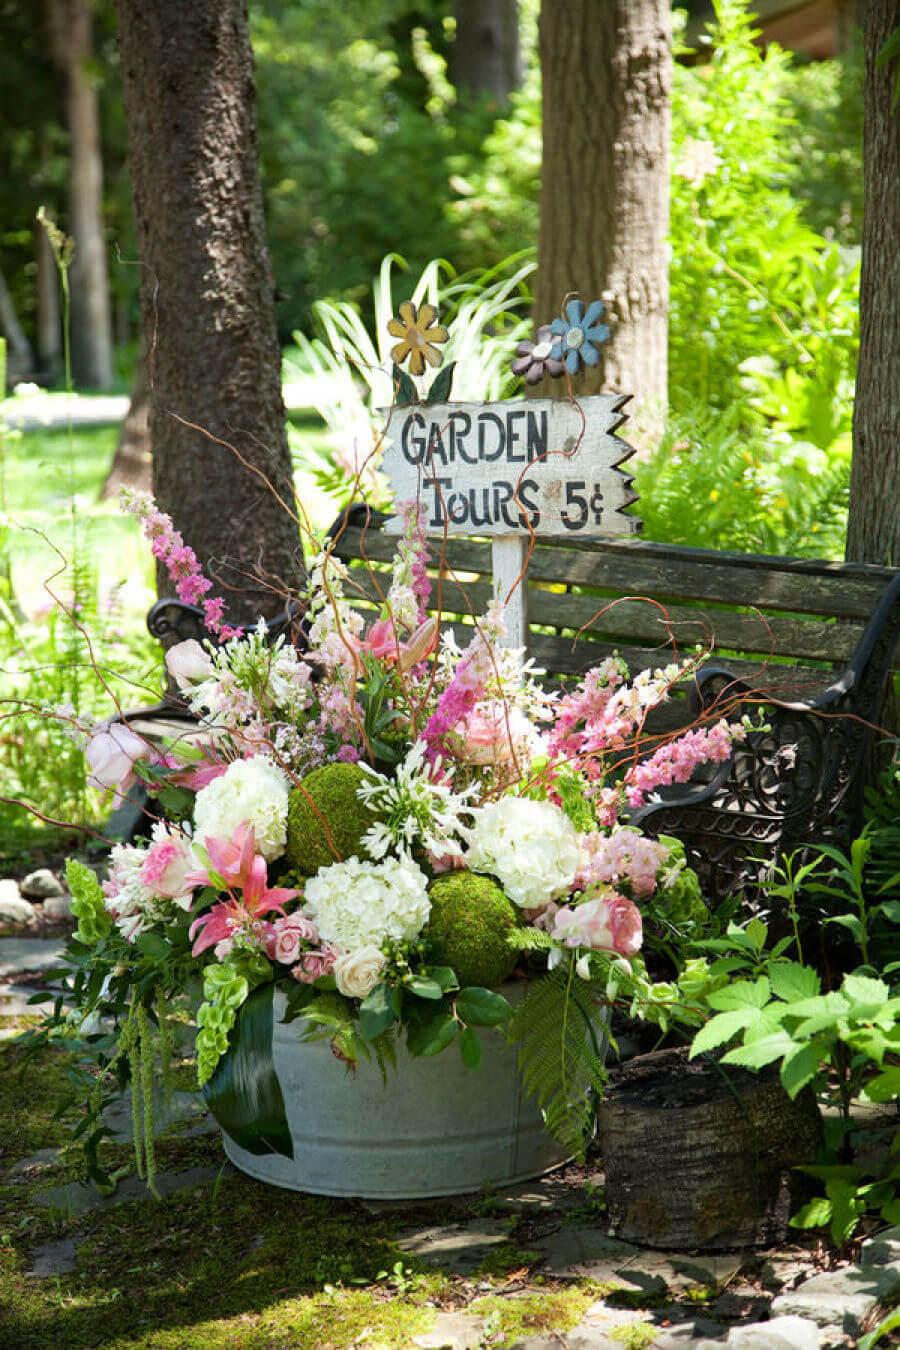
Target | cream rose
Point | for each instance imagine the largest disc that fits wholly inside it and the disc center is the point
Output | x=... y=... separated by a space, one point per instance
x=357 y=973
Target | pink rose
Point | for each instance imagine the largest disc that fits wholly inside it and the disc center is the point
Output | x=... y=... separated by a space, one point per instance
x=313 y=965
x=188 y=663
x=288 y=936
x=111 y=755
x=166 y=866
x=610 y=924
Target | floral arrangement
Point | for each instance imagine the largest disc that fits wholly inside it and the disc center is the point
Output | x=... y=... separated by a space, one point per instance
x=384 y=825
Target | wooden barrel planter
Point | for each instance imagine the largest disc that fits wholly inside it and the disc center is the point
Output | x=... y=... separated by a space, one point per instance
x=698 y=1154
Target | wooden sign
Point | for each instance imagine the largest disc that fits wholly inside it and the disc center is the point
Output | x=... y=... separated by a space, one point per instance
x=513 y=471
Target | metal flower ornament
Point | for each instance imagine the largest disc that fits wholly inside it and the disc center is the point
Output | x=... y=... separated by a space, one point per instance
x=534 y=359
x=579 y=336
x=419 y=332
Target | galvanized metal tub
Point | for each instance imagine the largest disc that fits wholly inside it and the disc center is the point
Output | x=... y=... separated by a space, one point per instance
x=435 y=1127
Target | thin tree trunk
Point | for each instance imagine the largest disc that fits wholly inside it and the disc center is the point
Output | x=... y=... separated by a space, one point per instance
x=486 y=58
x=91 y=327
x=19 y=361
x=607 y=71
x=49 y=324
x=873 y=527
x=207 y=298
x=132 y=462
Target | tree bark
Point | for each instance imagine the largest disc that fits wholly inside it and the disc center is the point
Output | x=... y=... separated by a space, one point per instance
x=486 y=58
x=132 y=464
x=607 y=71
x=19 y=360
x=49 y=323
x=873 y=526
x=207 y=294
x=91 y=327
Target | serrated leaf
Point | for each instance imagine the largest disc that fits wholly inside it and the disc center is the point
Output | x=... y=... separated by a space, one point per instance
x=816 y=1214
x=470 y=1047
x=885 y=1087
x=482 y=1007
x=862 y=991
x=799 y=1068
x=376 y=1012
x=717 y=1031
x=759 y=1053
x=741 y=994
x=757 y=932
x=440 y=388
x=792 y=981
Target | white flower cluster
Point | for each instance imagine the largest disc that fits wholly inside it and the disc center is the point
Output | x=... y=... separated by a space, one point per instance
x=361 y=904
x=531 y=847
x=251 y=790
x=415 y=808
x=334 y=624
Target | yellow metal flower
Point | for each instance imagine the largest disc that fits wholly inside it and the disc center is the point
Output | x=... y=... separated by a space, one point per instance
x=418 y=334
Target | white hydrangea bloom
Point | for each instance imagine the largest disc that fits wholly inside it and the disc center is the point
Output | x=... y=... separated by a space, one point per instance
x=531 y=848
x=251 y=790
x=358 y=904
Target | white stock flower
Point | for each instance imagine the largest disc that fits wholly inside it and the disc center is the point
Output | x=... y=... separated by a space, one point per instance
x=356 y=904
x=357 y=973
x=530 y=847
x=251 y=790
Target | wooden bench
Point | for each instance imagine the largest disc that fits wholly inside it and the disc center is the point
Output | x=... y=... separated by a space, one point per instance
x=810 y=643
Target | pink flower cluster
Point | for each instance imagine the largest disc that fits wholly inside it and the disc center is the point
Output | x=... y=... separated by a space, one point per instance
x=580 y=718
x=414 y=551
x=676 y=761
x=473 y=671
x=289 y=943
x=623 y=856
x=168 y=546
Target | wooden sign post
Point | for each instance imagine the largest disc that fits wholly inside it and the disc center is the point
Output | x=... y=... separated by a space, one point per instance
x=513 y=471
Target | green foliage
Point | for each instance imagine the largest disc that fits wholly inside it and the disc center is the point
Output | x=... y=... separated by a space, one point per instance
x=87 y=903
x=556 y=1029
x=468 y=927
x=326 y=819
x=244 y=1094
x=225 y=987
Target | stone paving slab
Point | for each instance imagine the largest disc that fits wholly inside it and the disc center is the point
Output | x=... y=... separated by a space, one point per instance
x=780 y=1333
x=589 y=1254
x=843 y=1298
x=78 y=1197
x=184 y=1106
x=453 y=1331
x=459 y=1248
x=54 y=1258
x=38 y=1162
x=19 y=954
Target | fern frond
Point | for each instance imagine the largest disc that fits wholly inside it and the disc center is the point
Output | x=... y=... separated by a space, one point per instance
x=529 y=940
x=559 y=1057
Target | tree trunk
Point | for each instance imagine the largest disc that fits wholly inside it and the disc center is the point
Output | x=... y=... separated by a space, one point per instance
x=19 y=360
x=132 y=463
x=486 y=58
x=49 y=324
x=207 y=295
x=873 y=527
x=91 y=328
x=607 y=71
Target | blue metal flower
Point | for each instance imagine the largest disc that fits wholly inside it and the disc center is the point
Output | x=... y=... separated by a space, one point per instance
x=579 y=335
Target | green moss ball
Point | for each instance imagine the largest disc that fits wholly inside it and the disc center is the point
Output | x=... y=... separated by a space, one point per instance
x=469 y=922
x=333 y=790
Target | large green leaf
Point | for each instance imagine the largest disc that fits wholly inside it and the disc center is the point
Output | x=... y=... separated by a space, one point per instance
x=244 y=1093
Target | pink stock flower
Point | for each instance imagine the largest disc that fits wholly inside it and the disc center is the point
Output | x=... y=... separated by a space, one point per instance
x=235 y=862
x=111 y=755
x=676 y=761
x=288 y=936
x=610 y=923
x=314 y=965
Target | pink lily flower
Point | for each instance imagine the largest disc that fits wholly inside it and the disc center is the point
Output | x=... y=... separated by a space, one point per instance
x=382 y=643
x=236 y=863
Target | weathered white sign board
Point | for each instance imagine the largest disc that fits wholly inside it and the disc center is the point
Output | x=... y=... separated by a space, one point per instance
x=513 y=471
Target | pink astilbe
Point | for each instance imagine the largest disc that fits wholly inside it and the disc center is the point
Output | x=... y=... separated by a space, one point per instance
x=473 y=671
x=676 y=761
x=168 y=547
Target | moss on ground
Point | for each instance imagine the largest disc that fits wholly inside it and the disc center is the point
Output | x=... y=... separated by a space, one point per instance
x=512 y=1318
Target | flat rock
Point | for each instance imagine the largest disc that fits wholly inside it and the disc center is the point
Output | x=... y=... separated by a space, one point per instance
x=54 y=1258
x=57 y=908
x=594 y=1332
x=881 y=1250
x=21 y=954
x=41 y=885
x=537 y=1196
x=14 y=908
x=588 y=1254
x=460 y=1248
x=843 y=1298
x=452 y=1331
x=187 y=1106
x=696 y=1333
x=37 y=1163
x=78 y=1197
x=781 y=1333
